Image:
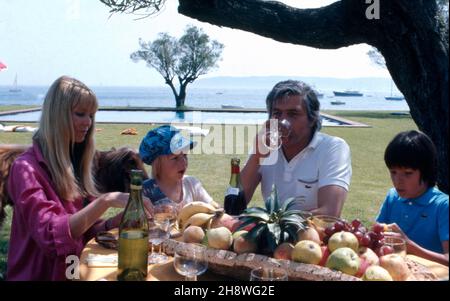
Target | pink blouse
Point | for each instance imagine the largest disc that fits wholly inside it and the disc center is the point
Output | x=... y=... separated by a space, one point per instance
x=40 y=234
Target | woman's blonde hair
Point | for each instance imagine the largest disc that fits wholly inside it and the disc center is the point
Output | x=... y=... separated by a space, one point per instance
x=156 y=167
x=56 y=138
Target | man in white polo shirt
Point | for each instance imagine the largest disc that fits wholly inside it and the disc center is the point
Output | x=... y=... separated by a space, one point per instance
x=311 y=166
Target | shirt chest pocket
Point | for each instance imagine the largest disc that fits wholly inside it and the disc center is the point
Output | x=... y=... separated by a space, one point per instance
x=307 y=188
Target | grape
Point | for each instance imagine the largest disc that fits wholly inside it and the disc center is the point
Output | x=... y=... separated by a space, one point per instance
x=356 y=223
x=365 y=240
x=380 y=236
x=376 y=244
x=373 y=235
x=339 y=226
x=347 y=227
x=385 y=250
x=330 y=230
x=362 y=229
x=378 y=228
x=358 y=235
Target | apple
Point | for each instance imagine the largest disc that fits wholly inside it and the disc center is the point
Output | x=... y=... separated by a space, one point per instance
x=396 y=265
x=385 y=250
x=345 y=260
x=309 y=233
x=343 y=239
x=307 y=251
x=364 y=264
x=368 y=255
x=376 y=273
x=219 y=238
x=325 y=254
x=284 y=251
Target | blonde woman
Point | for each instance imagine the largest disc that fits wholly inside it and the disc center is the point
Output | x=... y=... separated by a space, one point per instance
x=164 y=148
x=57 y=208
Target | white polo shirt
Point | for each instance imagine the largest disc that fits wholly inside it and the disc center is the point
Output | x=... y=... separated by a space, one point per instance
x=325 y=161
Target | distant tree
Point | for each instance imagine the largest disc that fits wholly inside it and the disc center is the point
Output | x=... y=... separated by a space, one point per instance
x=412 y=36
x=194 y=54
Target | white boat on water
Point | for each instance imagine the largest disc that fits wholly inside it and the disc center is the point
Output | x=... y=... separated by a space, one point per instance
x=394 y=97
x=337 y=102
x=226 y=106
x=15 y=88
x=348 y=93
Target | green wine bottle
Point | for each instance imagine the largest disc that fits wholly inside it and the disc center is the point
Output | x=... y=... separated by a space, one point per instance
x=133 y=235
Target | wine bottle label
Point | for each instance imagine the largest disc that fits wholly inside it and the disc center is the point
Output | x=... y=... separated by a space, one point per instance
x=135 y=187
x=232 y=191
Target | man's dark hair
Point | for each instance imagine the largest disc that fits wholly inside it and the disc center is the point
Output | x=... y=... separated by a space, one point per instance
x=413 y=149
x=294 y=87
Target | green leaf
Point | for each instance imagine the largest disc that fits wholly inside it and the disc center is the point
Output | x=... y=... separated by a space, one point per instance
x=271 y=242
x=255 y=210
x=292 y=233
x=271 y=202
x=255 y=233
x=263 y=216
x=245 y=223
x=275 y=230
x=292 y=218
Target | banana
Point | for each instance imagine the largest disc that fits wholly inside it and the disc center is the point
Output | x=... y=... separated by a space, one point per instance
x=199 y=219
x=192 y=208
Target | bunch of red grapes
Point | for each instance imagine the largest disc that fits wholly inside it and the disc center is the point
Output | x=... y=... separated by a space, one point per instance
x=372 y=239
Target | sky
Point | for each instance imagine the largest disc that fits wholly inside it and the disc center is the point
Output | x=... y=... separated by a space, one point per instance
x=42 y=40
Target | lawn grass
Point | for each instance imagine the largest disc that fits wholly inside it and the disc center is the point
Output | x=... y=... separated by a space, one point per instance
x=17 y=107
x=370 y=180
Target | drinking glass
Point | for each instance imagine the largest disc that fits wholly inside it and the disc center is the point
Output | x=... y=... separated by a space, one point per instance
x=158 y=232
x=398 y=244
x=268 y=274
x=166 y=208
x=190 y=260
x=277 y=131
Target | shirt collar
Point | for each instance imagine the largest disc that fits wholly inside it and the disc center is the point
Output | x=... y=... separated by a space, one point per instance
x=422 y=200
x=315 y=141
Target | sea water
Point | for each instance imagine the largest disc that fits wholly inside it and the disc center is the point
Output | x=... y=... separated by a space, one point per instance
x=201 y=98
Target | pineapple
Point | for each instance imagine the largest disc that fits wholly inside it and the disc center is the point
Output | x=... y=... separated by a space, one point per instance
x=274 y=224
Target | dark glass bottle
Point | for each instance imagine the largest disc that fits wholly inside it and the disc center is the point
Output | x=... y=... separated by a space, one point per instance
x=234 y=202
x=133 y=235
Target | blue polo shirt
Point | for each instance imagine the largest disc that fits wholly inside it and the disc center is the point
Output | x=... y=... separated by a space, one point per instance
x=424 y=219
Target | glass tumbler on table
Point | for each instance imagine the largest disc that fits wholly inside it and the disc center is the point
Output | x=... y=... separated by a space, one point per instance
x=397 y=244
x=158 y=232
x=268 y=274
x=166 y=208
x=190 y=260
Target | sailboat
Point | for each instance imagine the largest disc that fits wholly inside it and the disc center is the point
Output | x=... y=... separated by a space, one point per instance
x=392 y=97
x=14 y=88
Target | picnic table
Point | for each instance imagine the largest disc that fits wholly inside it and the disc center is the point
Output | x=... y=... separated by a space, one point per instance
x=166 y=271
x=155 y=272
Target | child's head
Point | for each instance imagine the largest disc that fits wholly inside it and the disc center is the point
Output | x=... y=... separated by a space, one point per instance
x=165 y=149
x=412 y=154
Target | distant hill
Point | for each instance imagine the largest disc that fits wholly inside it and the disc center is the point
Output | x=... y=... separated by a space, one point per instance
x=364 y=84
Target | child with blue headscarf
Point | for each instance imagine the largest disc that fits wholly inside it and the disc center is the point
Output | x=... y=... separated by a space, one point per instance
x=165 y=149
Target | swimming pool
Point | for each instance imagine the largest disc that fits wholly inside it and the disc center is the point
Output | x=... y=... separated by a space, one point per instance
x=192 y=117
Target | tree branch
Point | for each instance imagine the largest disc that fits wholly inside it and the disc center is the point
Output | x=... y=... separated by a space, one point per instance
x=337 y=25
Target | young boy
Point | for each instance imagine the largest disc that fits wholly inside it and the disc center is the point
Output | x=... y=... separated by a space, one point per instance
x=414 y=208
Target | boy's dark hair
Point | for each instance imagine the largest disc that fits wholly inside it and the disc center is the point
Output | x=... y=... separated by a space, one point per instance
x=414 y=150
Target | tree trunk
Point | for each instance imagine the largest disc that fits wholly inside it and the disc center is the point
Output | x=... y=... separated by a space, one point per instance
x=179 y=99
x=182 y=95
x=407 y=34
